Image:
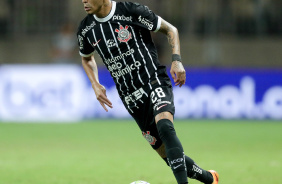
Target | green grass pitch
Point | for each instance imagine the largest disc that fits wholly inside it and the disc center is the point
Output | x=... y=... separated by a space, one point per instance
x=114 y=152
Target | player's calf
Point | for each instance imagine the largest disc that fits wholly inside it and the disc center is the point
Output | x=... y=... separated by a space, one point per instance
x=174 y=150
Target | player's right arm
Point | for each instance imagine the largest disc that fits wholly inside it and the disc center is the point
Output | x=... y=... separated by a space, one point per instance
x=177 y=70
x=91 y=70
x=149 y=20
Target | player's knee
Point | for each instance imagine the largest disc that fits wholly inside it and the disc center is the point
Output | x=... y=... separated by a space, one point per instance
x=161 y=151
x=165 y=128
x=164 y=115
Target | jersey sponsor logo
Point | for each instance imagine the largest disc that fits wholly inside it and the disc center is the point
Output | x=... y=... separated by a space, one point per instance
x=95 y=44
x=136 y=95
x=123 y=34
x=151 y=139
x=110 y=43
x=87 y=28
x=117 y=58
x=122 y=18
x=146 y=22
x=115 y=66
x=127 y=69
x=80 y=40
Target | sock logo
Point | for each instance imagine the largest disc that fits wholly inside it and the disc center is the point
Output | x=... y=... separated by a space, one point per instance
x=178 y=160
x=175 y=167
x=197 y=169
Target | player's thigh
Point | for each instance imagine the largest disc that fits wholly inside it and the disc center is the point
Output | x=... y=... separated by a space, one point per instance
x=162 y=103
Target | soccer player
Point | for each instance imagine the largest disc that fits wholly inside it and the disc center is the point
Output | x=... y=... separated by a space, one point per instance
x=120 y=33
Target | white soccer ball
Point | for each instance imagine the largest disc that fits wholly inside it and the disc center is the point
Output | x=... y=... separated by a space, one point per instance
x=139 y=182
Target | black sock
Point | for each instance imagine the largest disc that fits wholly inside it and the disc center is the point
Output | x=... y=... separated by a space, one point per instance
x=174 y=150
x=202 y=175
x=195 y=172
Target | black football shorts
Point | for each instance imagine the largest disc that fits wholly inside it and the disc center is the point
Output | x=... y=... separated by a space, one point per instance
x=160 y=99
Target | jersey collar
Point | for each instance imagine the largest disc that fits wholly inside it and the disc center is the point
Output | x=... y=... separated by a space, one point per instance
x=109 y=16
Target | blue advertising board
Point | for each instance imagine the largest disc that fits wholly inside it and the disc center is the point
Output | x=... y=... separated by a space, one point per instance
x=63 y=93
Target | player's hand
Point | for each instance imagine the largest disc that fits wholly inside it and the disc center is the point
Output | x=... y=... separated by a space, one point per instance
x=100 y=92
x=178 y=73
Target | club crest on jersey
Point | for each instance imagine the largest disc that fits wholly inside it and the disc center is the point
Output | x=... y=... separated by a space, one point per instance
x=151 y=139
x=123 y=34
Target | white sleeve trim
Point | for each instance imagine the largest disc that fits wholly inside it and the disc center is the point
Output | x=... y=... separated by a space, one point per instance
x=159 y=24
x=86 y=55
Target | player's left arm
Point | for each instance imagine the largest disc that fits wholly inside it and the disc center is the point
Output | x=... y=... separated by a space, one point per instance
x=177 y=70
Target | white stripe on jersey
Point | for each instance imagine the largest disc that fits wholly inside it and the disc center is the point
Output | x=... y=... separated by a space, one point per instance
x=120 y=53
x=150 y=57
x=157 y=78
x=132 y=58
x=104 y=57
x=122 y=59
x=102 y=31
x=144 y=61
x=135 y=60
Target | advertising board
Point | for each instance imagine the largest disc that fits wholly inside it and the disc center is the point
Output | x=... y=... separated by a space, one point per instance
x=47 y=93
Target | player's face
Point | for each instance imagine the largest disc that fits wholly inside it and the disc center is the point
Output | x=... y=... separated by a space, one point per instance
x=92 y=6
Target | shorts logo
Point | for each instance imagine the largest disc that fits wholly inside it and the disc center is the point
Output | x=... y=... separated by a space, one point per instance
x=158 y=108
x=123 y=34
x=151 y=139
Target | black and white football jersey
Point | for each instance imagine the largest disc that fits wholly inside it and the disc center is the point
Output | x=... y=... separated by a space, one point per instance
x=123 y=41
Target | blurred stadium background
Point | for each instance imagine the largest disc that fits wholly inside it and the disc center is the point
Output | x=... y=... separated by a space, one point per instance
x=231 y=50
